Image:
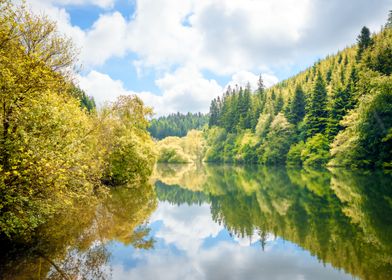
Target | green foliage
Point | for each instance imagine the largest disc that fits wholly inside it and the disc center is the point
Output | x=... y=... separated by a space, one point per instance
x=365 y=140
x=128 y=147
x=263 y=125
x=215 y=138
x=176 y=125
x=364 y=41
x=53 y=152
x=339 y=97
x=389 y=21
x=187 y=149
x=85 y=100
x=278 y=141
x=341 y=102
x=379 y=56
x=296 y=109
x=316 y=151
x=294 y=154
x=245 y=147
x=237 y=110
x=317 y=113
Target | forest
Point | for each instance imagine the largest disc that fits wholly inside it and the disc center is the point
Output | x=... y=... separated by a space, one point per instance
x=57 y=150
x=176 y=124
x=337 y=113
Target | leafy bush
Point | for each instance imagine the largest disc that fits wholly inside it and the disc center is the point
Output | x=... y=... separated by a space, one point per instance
x=316 y=151
x=294 y=154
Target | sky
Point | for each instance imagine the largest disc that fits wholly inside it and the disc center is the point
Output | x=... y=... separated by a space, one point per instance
x=177 y=55
x=190 y=245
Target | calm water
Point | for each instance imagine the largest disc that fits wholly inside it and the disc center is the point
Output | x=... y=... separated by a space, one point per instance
x=222 y=222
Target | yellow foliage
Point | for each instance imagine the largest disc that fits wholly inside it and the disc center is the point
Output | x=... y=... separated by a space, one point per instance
x=182 y=150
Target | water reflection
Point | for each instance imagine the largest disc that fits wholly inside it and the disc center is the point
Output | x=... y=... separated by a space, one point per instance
x=74 y=245
x=221 y=222
x=342 y=218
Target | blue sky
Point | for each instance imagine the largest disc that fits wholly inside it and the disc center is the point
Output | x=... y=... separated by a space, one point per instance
x=179 y=54
x=190 y=245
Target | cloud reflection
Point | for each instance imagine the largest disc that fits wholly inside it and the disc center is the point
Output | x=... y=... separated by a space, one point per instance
x=180 y=233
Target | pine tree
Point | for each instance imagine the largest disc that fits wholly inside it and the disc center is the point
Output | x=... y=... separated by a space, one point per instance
x=364 y=41
x=279 y=104
x=317 y=113
x=258 y=103
x=340 y=103
x=296 y=111
x=213 y=120
x=246 y=111
x=389 y=21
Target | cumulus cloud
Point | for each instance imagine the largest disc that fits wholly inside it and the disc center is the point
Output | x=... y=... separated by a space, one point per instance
x=102 y=87
x=105 y=39
x=185 y=226
x=242 y=78
x=179 y=39
x=185 y=90
x=180 y=253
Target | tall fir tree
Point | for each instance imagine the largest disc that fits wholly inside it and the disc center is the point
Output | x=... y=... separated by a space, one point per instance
x=389 y=21
x=214 y=113
x=296 y=108
x=364 y=41
x=317 y=112
x=279 y=104
x=259 y=103
x=341 y=102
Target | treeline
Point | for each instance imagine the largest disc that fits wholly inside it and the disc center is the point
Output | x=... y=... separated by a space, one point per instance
x=56 y=149
x=337 y=112
x=176 y=124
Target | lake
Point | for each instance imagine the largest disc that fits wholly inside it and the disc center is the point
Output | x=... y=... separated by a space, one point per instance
x=222 y=222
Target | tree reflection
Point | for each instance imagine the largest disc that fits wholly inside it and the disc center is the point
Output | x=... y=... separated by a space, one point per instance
x=73 y=244
x=344 y=218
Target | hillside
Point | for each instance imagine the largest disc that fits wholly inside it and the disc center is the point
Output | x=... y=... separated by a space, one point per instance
x=337 y=112
x=176 y=124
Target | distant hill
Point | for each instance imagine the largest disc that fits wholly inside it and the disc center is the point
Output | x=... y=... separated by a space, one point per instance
x=176 y=124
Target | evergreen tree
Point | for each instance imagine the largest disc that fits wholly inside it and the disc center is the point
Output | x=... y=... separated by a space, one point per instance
x=86 y=101
x=279 y=104
x=246 y=108
x=340 y=103
x=389 y=21
x=317 y=113
x=364 y=41
x=297 y=106
x=258 y=104
x=214 y=113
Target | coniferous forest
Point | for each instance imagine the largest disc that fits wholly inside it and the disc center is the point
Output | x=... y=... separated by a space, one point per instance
x=176 y=124
x=337 y=112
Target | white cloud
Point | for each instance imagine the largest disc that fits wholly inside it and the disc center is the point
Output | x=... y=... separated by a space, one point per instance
x=231 y=38
x=102 y=87
x=242 y=78
x=185 y=90
x=106 y=39
x=181 y=253
x=185 y=226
